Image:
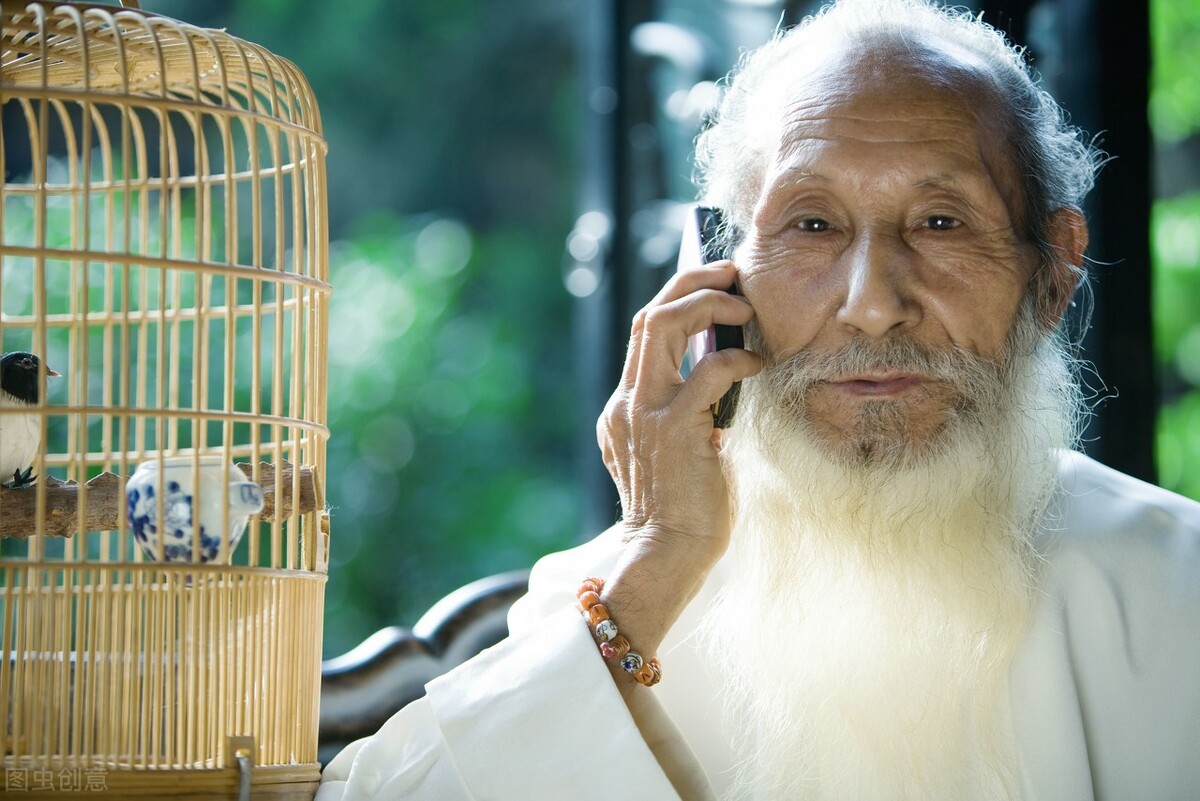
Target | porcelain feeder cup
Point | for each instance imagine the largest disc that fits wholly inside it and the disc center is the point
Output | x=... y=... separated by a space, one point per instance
x=177 y=492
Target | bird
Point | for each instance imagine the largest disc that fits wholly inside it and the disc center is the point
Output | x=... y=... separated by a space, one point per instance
x=20 y=434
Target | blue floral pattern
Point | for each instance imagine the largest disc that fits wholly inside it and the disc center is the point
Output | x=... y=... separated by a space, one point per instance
x=142 y=514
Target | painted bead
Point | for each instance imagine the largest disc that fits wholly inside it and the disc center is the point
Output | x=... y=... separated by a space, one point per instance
x=606 y=630
x=632 y=663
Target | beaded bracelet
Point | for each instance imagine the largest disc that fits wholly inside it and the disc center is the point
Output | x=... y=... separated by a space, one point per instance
x=613 y=644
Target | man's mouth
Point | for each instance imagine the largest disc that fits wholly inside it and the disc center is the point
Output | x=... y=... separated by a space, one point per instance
x=880 y=384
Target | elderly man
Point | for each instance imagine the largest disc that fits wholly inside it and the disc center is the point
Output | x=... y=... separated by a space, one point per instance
x=890 y=577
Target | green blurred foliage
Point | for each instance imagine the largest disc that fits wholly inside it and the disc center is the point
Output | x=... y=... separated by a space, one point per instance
x=1178 y=446
x=1175 y=120
x=449 y=411
x=1175 y=226
x=462 y=105
x=1175 y=72
x=1176 y=251
x=452 y=128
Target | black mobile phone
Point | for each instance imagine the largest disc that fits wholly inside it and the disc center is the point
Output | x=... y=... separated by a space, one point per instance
x=702 y=245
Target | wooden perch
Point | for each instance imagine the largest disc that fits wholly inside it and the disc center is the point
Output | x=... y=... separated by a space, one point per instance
x=310 y=494
x=106 y=497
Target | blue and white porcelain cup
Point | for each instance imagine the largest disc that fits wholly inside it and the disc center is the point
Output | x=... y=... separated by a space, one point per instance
x=222 y=488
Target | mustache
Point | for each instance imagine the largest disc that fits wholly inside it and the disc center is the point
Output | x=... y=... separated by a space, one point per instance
x=953 y=365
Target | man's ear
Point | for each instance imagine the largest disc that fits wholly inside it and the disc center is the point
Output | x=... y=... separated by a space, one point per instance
x=1067 y=236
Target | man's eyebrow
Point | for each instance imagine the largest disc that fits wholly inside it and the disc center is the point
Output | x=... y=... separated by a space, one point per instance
x=797 y=175
x=943 y=181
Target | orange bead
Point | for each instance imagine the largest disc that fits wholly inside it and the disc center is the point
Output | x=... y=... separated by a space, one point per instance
x=620 y=646
x=588 y=599
x=650 y=673
x=597 y=613
x=592 y=585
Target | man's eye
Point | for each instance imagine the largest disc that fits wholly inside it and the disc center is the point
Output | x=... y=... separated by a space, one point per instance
x=813 y=225
x=941 y=222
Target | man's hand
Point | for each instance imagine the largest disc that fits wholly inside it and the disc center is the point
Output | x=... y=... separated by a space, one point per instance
x=656 y=432
x=658 y=441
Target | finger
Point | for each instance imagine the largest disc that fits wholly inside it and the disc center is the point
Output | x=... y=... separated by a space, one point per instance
x=717 y=275
x=712 y=377
x=667 y=328
x=633 y=352
x=675 y=320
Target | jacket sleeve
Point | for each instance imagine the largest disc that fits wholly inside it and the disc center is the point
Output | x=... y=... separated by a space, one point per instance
x=535 y=717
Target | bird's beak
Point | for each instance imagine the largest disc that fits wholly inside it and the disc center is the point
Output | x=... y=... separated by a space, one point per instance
x=52 y=372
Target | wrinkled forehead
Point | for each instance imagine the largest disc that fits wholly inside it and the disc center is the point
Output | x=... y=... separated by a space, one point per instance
x=881 y=89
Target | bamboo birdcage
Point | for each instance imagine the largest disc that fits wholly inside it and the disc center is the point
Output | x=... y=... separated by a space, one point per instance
x=164 y=249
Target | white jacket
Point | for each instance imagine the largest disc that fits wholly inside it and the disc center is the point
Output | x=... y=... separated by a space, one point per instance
x=1105 y=688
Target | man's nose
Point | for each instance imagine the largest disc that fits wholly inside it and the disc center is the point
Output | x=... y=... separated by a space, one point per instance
x=878 y=279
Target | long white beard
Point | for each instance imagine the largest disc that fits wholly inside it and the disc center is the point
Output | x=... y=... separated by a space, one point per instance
x=874 y=604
